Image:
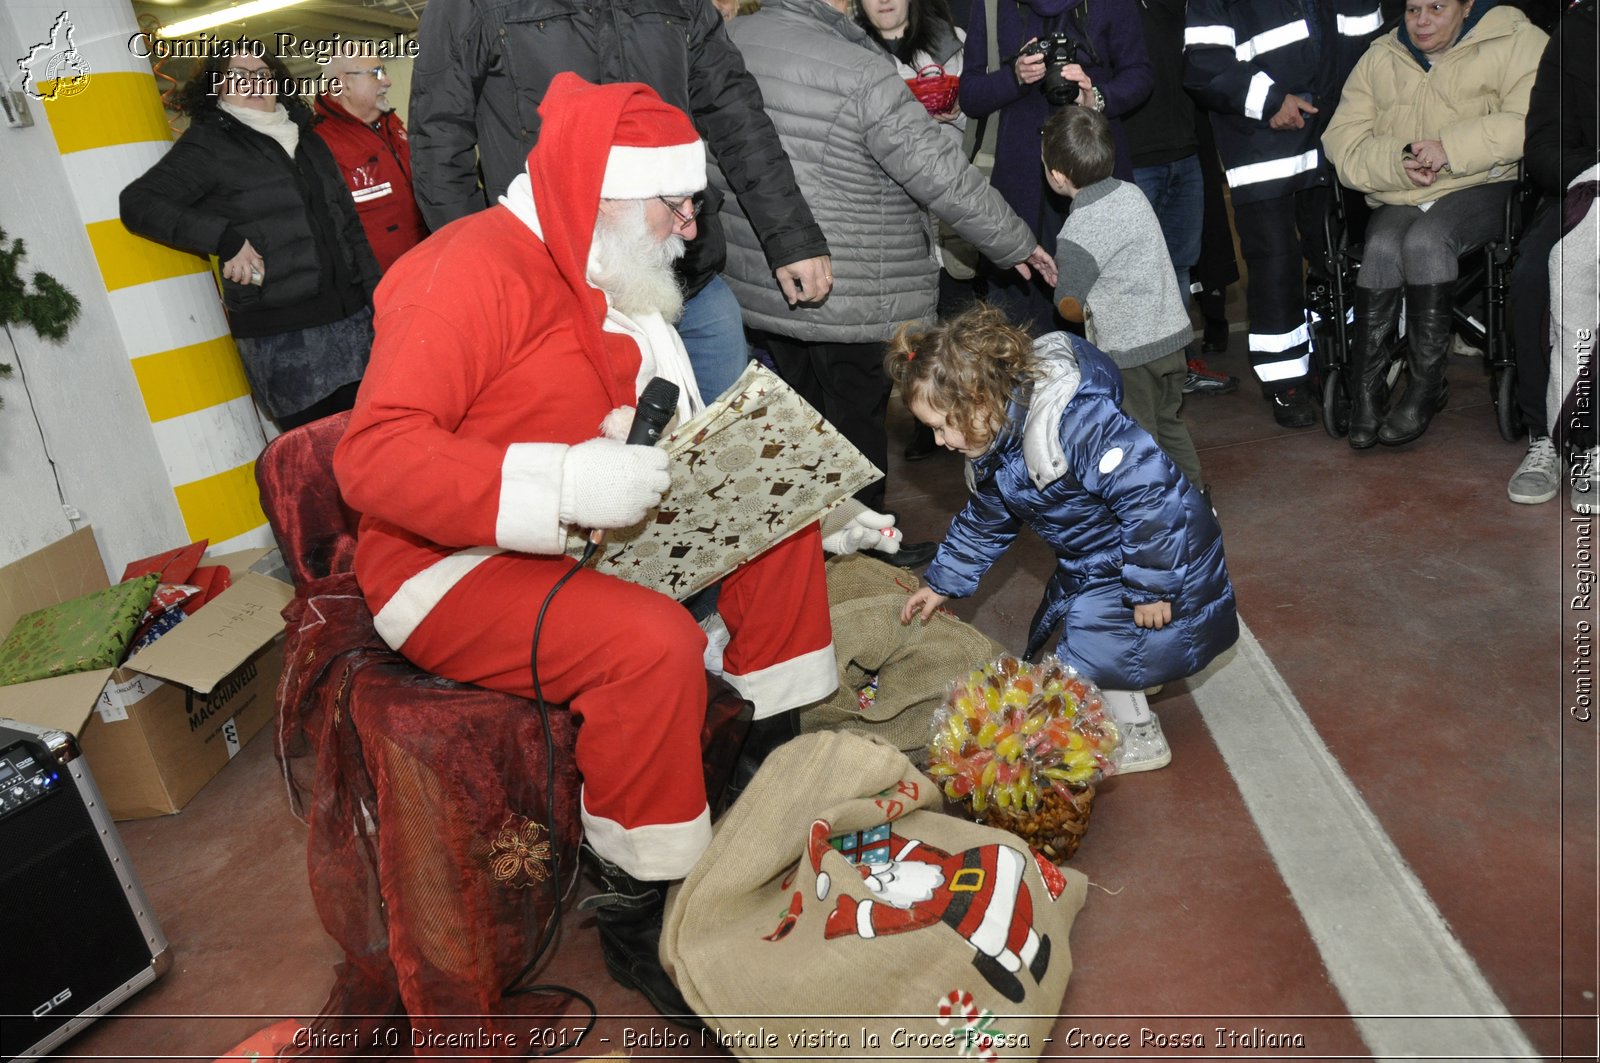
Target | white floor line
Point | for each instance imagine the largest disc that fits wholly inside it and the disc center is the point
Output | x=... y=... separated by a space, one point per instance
x=1411 y=988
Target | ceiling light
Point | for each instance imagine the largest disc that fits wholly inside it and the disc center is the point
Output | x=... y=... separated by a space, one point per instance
x=237 y=13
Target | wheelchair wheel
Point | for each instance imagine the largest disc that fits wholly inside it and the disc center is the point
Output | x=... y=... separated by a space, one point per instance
x=1507 y=416
x=1335 y=403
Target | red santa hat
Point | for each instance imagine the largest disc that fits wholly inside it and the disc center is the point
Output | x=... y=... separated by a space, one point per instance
x=619 y=141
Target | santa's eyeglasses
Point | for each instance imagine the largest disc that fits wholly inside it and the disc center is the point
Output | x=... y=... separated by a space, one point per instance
x=685 y=208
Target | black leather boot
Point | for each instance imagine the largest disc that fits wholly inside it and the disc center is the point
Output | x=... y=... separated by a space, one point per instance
x=628 y=914
x=765 y=735
x=1428 y=347
x=1377 y=311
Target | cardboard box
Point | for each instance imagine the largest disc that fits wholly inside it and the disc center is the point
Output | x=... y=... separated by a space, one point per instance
x=158 y=728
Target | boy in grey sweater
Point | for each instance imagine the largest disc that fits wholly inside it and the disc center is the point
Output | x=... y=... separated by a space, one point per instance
x=1116 y=277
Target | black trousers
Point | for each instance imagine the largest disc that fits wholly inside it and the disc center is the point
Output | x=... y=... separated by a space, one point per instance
x=847 y=385
x=342 y=399
x=1528 y=298
x=1276 y=236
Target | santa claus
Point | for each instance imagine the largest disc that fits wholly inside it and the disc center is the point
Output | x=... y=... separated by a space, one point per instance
x=510 y=349
x=979 y=893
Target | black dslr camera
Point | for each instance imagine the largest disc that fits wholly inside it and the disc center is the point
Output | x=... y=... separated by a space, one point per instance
x=1059 y=50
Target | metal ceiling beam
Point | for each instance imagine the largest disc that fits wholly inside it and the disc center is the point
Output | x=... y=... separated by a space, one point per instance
x=357 y=13
x=348 y=26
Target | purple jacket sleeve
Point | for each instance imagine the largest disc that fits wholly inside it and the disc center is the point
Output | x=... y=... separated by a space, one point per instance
x=983 y=93
x=1133 y=76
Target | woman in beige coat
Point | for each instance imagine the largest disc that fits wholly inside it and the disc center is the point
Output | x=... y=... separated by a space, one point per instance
x=1429 y=126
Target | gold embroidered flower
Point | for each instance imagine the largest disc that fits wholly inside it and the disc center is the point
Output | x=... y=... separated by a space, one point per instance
x=517 y=856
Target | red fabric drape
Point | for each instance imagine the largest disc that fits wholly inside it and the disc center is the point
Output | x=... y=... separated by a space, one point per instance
x=430 y=853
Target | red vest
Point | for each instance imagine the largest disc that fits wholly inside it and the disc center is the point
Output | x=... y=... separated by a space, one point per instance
x=376 y=165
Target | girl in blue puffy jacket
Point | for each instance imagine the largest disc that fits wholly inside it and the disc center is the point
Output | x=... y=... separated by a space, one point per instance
x=1140 y=586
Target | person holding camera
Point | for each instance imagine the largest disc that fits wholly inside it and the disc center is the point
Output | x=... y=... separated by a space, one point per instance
x=1022 y=62
x=1269 y=72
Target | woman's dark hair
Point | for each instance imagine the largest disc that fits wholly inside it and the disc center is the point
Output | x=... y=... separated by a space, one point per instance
x=923 y=20
x=201 y=92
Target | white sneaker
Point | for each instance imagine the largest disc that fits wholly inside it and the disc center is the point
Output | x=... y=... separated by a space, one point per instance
x=1538 y=478
x=1585 y=480
x=1144 y=747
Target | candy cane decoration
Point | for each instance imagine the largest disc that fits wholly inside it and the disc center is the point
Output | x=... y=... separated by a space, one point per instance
x=979 y=1042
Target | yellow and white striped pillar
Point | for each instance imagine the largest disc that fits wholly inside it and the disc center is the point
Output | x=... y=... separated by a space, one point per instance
x=165 y=302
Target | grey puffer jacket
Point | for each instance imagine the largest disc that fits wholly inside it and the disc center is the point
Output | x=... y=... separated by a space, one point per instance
x=868 y=159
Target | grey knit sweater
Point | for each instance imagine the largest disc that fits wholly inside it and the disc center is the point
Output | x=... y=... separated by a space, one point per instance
x=1113 y=260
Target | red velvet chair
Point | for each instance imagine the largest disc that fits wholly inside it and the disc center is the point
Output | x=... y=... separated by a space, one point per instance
x=430 y=854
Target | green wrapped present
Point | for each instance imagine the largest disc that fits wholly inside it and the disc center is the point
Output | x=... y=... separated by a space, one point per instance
x=77 y=635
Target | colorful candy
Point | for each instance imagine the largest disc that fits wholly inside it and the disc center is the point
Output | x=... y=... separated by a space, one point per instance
x=1021 y=739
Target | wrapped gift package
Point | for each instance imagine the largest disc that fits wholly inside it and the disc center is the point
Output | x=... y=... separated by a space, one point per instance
x=156 y=728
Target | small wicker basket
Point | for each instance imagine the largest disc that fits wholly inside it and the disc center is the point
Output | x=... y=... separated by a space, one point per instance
x=935 y=89
x=1054 y=828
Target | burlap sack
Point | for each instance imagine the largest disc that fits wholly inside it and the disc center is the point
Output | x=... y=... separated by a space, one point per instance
x=914 y=662
x=934 y=935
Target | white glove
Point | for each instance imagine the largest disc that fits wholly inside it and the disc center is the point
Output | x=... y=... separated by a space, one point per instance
x=618 y=423
x=850 y=527
x=607 y=484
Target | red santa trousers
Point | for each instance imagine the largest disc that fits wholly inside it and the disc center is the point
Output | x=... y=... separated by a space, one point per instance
x=630 y=663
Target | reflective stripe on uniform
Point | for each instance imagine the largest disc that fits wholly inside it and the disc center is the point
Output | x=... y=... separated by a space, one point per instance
x=1272 y=39
x=1255 y=100
x=1361 y=25
x=361 y=195
x=1283 y=341
x=1272 y=169
x=1219 y=35
x=1291 y=369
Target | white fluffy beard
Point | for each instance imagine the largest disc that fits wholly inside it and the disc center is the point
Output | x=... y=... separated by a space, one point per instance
x=633 y=267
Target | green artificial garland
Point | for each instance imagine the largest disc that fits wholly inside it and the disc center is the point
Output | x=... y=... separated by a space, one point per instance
x=48 y=309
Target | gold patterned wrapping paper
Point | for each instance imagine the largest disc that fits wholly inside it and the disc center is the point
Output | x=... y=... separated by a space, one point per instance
x=755 y=466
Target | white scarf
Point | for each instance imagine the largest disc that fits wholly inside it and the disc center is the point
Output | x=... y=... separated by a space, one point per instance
x=276 y=124
x=661 y=350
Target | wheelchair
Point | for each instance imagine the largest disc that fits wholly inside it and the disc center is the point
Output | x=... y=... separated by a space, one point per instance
x=1479 y=313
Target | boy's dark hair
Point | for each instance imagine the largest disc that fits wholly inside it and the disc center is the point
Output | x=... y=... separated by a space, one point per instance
x=1078 y=143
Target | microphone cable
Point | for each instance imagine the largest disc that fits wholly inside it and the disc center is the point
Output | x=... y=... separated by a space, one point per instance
x=552 y=925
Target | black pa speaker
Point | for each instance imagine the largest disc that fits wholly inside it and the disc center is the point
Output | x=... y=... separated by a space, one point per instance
x=77 y=932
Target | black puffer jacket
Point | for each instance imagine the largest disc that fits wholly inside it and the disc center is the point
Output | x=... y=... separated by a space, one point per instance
x=482 y=69
x=1563 y=129
x=223 y=183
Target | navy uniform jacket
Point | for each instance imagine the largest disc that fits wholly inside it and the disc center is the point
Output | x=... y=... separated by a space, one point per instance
x=1242 y=57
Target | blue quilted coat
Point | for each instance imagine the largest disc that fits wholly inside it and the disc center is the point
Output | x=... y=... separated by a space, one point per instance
x=1125 y=525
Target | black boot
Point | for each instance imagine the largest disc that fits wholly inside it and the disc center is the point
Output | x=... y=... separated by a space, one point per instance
x=628 y=914
x=765 y=735
x=1377 y=311
x=1428 y=346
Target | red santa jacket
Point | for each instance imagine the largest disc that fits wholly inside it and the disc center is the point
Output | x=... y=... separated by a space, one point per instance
x=375 y=162
x=478 y=384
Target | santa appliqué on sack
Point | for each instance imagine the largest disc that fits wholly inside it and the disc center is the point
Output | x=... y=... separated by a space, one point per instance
x=979 y=893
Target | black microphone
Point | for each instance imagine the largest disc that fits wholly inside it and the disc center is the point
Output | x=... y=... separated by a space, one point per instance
x=657 y=403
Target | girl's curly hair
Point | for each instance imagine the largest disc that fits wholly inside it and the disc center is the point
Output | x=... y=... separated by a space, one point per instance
x=968 y=369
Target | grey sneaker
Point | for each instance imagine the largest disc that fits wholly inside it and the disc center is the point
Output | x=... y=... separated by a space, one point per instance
x=1585 y=474
x=1538 y=478
x=1144 y=747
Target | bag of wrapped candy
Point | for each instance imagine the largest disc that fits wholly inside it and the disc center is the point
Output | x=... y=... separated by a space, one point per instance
x=1020 y=746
